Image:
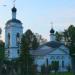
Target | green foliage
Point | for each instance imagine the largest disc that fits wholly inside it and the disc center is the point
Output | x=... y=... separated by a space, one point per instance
x=25 y=57
x=1 y=50
x=61 y=73
x=55 y=65
x=34 y=69
x=58 y=36
x=47 y=69
x=35 y=44
x=0 y=31
x=30 y=40
x=68 y=68
x=43 y=69
x=69 y=36
x=71 y=33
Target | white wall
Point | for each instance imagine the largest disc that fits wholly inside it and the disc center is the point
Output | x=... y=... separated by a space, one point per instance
x=12 y=29
x=56 y=55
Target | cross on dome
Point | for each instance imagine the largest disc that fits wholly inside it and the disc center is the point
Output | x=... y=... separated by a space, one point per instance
x=14 y=3
x=51 y=25
x=52 y=30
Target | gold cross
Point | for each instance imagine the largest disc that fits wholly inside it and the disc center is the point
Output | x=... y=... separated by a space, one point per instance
x=51 y=24
x=14 y=2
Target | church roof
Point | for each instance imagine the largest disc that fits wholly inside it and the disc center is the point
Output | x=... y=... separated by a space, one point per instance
x=40 y=52
x=49 y=47
x=13 y=20
x=53 y=44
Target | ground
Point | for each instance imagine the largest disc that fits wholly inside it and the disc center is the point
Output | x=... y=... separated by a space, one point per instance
x=65 y=73
x=60 y=73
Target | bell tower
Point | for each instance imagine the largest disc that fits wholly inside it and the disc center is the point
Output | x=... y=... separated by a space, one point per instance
x=13 y=33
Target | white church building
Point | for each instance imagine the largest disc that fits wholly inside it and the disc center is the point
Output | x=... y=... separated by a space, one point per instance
x=51 y=51
x=13 y=33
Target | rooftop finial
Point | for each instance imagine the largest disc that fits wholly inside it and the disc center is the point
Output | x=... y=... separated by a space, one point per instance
x=51 y=25
x=14 y=3
x=52 y=30
x=14 y=10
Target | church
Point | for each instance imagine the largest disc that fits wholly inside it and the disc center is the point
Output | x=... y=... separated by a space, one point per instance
x=13 y=34
x=50 y=51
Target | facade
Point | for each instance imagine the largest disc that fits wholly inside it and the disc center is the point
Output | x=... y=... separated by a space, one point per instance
x=43 y=55
x=13 y=33
x=52 y=51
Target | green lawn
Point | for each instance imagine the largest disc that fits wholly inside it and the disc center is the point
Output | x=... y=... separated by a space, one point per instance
x=64 y=73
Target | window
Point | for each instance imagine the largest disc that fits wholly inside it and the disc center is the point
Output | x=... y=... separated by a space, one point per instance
x=18 y=51
x=8 y=39
x=55 y=64
x=62 y=63
x=8 y=52
x=62 y=57
x=18 y=39
x=58 y=57
x=52 y=57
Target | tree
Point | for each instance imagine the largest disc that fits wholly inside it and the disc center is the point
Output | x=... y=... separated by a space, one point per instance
x=58 y=36
x=2 y=51
x=43 y=70
x=35 y=43
x=2 y=55
x=66 y=36
x=31 y=40
x=0 y=31
x=27 y=42
x=1 y=47
x=55 y=65
x=25 y=57
x=69 y=35
x=40 y=39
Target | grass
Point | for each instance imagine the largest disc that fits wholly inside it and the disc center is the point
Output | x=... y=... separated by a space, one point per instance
x=60 y=73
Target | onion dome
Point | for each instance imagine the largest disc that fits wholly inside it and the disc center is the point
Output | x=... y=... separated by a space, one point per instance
x=52 y=30
x=13 y=21
x=14 y=9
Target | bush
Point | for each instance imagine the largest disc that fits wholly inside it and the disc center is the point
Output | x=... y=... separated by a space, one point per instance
x=43 y=69
x=55 y=65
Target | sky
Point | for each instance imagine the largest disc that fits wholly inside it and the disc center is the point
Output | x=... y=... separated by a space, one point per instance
x=37 y=15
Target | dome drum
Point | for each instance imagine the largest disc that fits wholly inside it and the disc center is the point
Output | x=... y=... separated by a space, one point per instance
x=13 y=21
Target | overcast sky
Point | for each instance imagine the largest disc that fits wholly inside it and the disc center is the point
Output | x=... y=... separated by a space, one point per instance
x=38 y=14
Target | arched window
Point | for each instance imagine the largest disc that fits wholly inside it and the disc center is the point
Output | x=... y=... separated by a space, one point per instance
x=18 y=39
x=62 y=63
x=58 y=57
x=18 y=51
x=62 y=57
x=52 y=57
x=8 y=39
x=8 y=52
